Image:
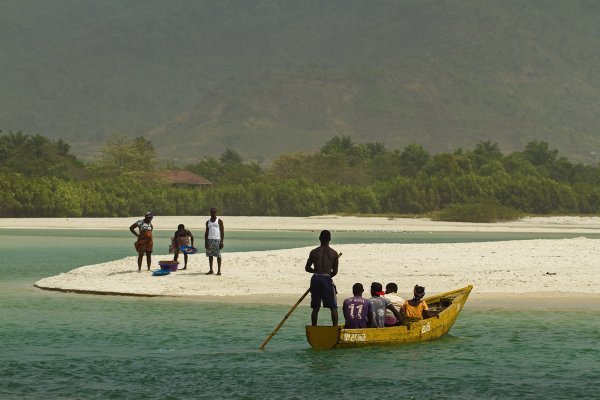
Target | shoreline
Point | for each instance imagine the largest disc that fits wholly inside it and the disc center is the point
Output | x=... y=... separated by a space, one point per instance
x=502 y=273
x=557 y=224
x=538 y=301
x=541 y=273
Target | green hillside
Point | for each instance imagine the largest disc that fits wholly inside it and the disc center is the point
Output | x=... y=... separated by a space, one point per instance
x=263 y=77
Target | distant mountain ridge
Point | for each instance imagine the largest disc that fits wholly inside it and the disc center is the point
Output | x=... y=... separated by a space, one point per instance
x=265 y=77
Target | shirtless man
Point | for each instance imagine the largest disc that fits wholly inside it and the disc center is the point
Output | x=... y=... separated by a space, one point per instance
x=323 y=264
x=182 y=237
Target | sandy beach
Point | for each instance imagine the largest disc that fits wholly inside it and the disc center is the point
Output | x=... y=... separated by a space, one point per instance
x=331 y=222
x=549 y=273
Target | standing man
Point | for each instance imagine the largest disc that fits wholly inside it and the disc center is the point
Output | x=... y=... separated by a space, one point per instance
x=213 y=240
x=323 y=264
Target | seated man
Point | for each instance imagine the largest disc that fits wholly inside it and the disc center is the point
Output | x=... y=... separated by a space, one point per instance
x=391 y=292
x=357 y=310
x=416 y=309
x=380 y=304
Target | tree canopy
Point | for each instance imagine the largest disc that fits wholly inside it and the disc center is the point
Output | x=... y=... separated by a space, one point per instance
x=38 y=177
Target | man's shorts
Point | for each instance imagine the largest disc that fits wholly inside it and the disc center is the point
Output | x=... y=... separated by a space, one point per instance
x=322 y=290
x=213 y=248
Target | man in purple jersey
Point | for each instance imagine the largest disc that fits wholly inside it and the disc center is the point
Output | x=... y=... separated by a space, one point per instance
x=358 y=311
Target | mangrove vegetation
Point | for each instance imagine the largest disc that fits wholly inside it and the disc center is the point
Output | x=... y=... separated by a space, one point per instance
x=39 y=177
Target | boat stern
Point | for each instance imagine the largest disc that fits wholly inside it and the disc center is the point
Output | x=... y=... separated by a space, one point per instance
x=322 y=337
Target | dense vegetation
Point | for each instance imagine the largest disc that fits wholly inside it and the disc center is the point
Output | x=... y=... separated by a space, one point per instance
x=196 y=77
x=40 y=178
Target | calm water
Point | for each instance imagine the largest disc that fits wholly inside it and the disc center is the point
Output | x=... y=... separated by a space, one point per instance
x=57 y=345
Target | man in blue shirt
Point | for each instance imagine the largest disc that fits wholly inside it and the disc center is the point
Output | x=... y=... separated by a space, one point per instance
x=380 y=304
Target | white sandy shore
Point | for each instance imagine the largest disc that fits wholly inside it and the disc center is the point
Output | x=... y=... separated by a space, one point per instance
x=332 y=222
x=549 y=272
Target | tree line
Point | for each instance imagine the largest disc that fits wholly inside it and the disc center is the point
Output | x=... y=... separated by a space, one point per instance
x=40 y=178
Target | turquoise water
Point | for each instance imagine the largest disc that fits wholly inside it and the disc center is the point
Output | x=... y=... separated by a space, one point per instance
x=69 y=346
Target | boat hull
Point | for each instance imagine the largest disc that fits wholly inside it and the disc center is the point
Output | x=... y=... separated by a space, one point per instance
x=329 y=337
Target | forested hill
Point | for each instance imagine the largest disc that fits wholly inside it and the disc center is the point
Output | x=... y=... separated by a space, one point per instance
x=263 y=77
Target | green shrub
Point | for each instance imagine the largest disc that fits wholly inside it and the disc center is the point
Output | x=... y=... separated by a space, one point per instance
x=477 y=211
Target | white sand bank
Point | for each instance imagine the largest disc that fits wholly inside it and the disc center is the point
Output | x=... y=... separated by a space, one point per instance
x=333 y=223
x=553 y=271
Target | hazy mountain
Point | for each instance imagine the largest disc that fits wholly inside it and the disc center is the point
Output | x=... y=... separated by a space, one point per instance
x=263 y=77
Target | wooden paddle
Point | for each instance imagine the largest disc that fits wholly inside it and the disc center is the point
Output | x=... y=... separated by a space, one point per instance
x=262 y=346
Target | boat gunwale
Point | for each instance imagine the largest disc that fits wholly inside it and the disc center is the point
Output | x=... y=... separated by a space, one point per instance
x=458 y=296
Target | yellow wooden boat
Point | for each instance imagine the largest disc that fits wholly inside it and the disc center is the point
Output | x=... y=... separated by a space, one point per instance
x=444 y=309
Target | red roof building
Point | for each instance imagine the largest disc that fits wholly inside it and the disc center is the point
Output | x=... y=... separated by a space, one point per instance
x=187 y=178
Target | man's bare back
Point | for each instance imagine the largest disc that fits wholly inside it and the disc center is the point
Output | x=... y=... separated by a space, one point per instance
x=322 y=260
